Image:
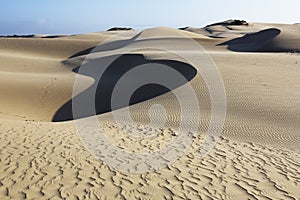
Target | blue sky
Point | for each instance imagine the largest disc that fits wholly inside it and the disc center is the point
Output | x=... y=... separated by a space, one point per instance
x=79 y=16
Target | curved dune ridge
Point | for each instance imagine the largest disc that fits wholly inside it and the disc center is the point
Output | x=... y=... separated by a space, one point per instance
x=257 y=156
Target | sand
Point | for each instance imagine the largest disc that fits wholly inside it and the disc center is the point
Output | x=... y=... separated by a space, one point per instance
x=256 y=157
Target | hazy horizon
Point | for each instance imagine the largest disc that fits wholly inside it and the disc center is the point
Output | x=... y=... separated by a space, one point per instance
x=68 y=17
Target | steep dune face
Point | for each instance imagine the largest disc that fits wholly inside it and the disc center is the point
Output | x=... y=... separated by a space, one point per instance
x=257 y=156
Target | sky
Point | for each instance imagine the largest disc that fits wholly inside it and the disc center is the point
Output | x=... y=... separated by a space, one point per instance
x=79 y=16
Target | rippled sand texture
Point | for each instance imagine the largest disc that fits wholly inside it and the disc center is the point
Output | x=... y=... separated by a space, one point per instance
x=257 y=156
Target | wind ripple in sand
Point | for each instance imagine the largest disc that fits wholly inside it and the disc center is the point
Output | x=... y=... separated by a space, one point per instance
x=46 y=161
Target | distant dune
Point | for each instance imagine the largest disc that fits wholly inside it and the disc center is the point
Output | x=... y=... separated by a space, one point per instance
x=257 y=157
x=254 y=37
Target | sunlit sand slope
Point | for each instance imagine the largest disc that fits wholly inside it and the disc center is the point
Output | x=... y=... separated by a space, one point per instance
x=257 y=156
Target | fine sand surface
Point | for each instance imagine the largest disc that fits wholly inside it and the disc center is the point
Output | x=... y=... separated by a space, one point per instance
x=257 y=156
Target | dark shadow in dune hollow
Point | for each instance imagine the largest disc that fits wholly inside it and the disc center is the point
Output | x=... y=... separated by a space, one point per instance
x=253 y=42
x=104 y=88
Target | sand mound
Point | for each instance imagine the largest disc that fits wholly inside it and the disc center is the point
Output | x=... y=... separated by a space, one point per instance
x=257 y=156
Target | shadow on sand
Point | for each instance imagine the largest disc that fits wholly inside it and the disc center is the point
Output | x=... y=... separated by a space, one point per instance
x=118 y=68
x=253 y=42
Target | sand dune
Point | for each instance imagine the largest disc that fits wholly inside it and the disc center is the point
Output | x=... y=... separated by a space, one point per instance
x=268 y=40
x=257 y=156
x=254 y=37
x=254 y=41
